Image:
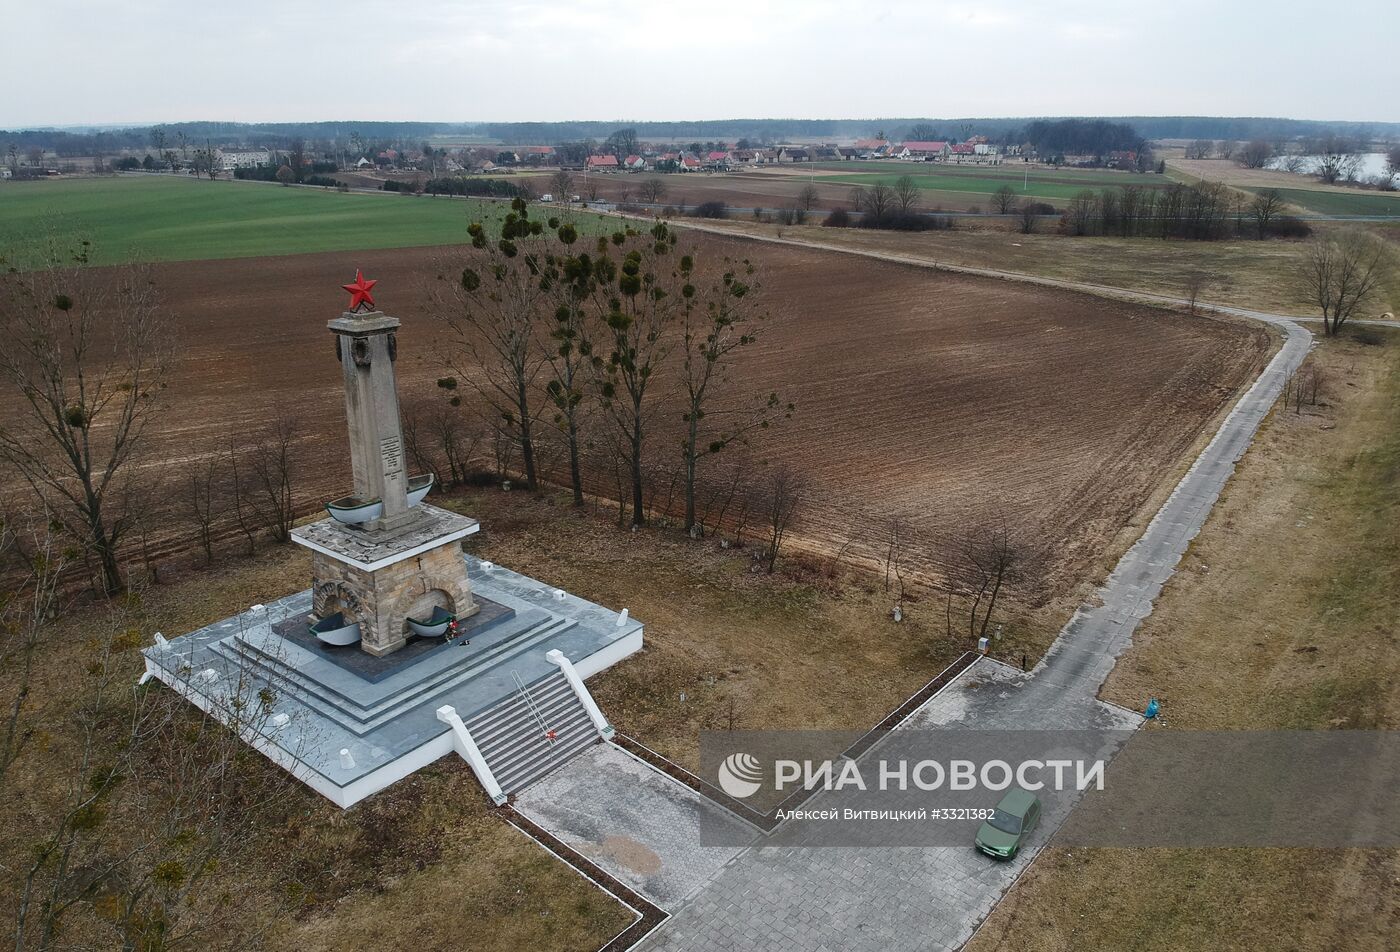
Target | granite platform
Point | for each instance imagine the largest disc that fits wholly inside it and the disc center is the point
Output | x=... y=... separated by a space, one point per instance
x=297 y=629
x=317 y=707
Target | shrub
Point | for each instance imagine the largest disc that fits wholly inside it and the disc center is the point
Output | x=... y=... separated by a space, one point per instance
x=838 y=218
x=712 y=209
x=1287 y=226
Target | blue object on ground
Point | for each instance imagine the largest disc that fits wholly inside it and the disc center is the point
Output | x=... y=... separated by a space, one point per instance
x=1152 y=708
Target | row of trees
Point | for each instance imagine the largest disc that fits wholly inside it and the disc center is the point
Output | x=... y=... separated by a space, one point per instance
x=1332 y=158
x=549 y=328
x=1203 y=211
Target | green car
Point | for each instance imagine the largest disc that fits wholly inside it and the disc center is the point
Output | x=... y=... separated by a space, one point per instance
x=1015 y=817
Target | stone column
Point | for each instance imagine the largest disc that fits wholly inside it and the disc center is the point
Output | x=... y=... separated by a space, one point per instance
x=367 y=347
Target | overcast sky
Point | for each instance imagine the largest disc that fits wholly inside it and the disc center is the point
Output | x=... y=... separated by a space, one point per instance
x=144 y=61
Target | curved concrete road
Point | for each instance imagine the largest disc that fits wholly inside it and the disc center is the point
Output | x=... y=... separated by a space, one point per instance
x=793 y=898
x=821 y=899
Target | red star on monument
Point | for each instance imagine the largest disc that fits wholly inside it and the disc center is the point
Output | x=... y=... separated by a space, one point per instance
x=359 y=291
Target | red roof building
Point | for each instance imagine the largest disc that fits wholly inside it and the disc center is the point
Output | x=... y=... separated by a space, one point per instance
x=602 y=161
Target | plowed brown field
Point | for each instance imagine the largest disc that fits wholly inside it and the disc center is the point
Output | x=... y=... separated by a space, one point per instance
x=951 y=399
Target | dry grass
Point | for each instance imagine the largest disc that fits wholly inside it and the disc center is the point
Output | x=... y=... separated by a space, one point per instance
x=726 y=646
x=425 y=859
x=1254 y=274
x=1283 y=616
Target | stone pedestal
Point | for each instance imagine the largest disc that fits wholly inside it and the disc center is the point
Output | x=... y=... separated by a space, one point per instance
x=382 y=579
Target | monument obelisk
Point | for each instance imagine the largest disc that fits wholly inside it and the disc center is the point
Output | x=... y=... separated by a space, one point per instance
x=384 y=559
x=366 y=345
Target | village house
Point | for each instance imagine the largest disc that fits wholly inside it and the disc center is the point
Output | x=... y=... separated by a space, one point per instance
x=1121 y=160
x=634 y=163
x=602 y=163
x=922 y=151
x=871 y=147
x=535 y=154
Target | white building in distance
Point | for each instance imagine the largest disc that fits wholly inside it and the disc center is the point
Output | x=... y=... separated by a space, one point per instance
x=228 y=161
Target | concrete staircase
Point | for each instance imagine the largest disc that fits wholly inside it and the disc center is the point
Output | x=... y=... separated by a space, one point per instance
x=533 y=731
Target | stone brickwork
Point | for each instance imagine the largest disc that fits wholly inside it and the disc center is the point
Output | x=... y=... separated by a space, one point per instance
x=382 y=599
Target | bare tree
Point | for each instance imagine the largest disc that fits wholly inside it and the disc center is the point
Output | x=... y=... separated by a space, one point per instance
x=32 y=560
x=653 y=190
x=86 y=358
x=631 y=340
x=201 y=493
x=562 y=184
x=1341 y=274
x=272 y=465
x=1082 y=213
x=1336 y=158
x=808 y=197
x=1004 y=200
x=206 y=161
x=783 y=492
x=991 y=559
x=1256 y=154
x=1194 y=285
x=1265 y=208
x=907 y=195
x=876 y=203
x=1029 y=215
x=240 y=485
x=573 y=282
x=1200 y=149
x=1225 y=148
x=717 y=322
x=494 y=315
x=296 y=159
x=898 y=540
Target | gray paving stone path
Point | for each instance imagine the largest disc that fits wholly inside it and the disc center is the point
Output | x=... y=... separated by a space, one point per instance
x=635 y=822
x=885 y=899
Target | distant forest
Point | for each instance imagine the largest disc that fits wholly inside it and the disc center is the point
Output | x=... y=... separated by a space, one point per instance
x=1093 y=135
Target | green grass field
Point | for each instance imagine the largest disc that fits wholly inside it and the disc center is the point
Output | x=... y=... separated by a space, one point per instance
x=1342 y=203
x=185 y=219
x=1038 y=183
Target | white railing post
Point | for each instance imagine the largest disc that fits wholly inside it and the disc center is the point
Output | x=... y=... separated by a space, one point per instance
x=466 y=747
x=557 y=658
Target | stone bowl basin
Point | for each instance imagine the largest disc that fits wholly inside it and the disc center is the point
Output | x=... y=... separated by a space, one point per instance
x=435 y=626
x=333 y=630
x=353 y=510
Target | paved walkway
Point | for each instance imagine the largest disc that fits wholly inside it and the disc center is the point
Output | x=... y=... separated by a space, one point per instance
x=883 y=899
x=635 y=822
